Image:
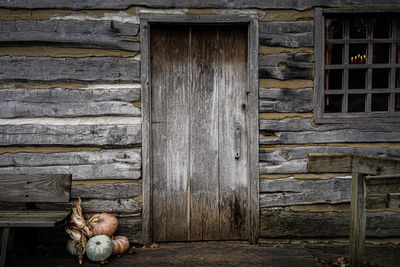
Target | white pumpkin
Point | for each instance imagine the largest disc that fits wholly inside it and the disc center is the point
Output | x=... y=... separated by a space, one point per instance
x=99 y=248
x=71 y=248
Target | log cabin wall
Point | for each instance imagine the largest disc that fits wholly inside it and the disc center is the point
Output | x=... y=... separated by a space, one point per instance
x=70 y=103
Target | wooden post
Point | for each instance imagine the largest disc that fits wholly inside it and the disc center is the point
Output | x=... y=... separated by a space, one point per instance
x=4 y=241
x=358 y=220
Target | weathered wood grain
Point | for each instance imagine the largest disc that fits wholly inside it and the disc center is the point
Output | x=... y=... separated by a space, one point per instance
x=294 y=159
x=281 y=100
x=147 y=163
x=95 y=69
x=85 y=165
x=159 y=136
x=300 y=125
x=302 y=131
x=98 y=135
x=72 y=33
x=131 y=227
x=290 y=191
x=61 y=102
x=233 y=137
x=282 y=223
x=352 y=163
x=31 y=218
x=358 y=220
x=203 y=104
x=285 y=66
x=124 y=4
x=126 y=92
x=253 y=131
x=83 y=172
x=124 y=205
x=35 y=188
x=177 y=105
x=203 y=151
x=288 y=34
x=127 y=156
x=383 y=184
x=19 y=109
x=107 y=191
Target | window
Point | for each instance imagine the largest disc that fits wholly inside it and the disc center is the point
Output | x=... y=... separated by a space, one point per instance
x=357 y=66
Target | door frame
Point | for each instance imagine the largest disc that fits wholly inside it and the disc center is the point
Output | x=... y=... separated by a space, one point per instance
x=146 y=20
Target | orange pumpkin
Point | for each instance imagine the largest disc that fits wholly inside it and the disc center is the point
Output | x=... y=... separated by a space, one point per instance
x=120 y=244
x=103 y=224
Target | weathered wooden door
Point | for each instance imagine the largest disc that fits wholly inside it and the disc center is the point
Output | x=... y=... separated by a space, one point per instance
x=199 y=136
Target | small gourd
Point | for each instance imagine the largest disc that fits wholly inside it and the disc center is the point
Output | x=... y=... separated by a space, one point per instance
x=120 y=244
x=99 y=248
x=103 y=224
x=71 y=247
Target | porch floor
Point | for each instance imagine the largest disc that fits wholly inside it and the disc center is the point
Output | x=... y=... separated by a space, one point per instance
x=181 y=254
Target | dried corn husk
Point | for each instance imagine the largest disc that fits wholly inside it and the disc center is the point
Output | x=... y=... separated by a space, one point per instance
x=78 y=221
x=74 y=234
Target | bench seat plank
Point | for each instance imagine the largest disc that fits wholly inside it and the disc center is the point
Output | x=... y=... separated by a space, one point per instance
x=31 y=218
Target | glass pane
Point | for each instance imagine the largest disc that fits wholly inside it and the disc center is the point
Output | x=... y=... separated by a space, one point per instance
x=381 y=28
x=357 y=78
x=397 y=102
x=397 y=25
x=398 y=53
x=358 y=28
x=333 y=103
x=357 y=53
x=334 y=29
x=356 y=103
x=397 y=78
x=381 y=53
x=333 y=54
x=380 y=78
x=380 y=102
x=333 y=79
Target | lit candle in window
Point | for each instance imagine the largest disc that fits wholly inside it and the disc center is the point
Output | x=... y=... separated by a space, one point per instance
x=351 y=60
x=364 y=58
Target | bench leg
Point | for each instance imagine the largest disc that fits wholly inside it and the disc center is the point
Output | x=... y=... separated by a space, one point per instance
x=4 y=242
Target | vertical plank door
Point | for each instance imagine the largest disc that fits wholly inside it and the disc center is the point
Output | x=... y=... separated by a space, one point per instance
x=200 y=168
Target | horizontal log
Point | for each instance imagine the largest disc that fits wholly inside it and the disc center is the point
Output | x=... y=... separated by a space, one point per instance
x=124 y=92
x=290 y=191
x=302 y=131
x=107 y=191
x=131 y=227
x=82 y=172
x=285 y=66
x=287 y=34
x=352 y=163
x=283 y=223
x=76 y=135
x=93 y=69
x=61 y=102
x=84 y=165
x=383 y=184
x=280 y=100
x=20 y=109
x=124 y=4
x=72 y=33
x=301 y=125
x=294 y=159
x=126 y=205
x=127 y=156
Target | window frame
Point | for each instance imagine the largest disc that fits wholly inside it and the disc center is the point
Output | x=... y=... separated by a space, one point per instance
x=319 y=76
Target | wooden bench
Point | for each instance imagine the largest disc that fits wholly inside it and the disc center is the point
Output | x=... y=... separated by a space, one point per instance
x=366 y=172
x=31 y=189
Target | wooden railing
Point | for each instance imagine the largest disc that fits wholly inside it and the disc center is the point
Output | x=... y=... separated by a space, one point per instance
x=366 y=172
